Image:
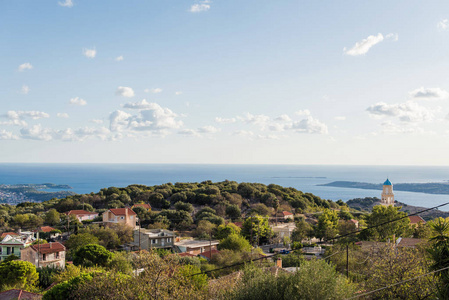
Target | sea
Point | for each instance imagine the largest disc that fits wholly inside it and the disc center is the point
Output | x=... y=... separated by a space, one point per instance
x=87 y=178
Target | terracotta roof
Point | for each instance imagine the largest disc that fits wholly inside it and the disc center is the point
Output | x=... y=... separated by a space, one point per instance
x=8 y=233
x=122 y=211
x=48 y=248
x=409 y=242
x=238 y=224
x=46 y=229
x=207 y=254
x=80 y=212
x=287 y=213
x=186 y=254
x=416 y=219
x=354 y=221
x=18 y=295
x=143 y=205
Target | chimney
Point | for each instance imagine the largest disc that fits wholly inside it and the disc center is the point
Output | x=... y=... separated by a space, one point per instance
x=279 y=263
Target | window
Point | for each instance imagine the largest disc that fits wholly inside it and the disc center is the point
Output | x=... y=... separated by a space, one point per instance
x=153 y=241
x=8 y=250
x=57 y=255
x=44 y=256
x=132 y=217
x=12 y=250
x=121 y=218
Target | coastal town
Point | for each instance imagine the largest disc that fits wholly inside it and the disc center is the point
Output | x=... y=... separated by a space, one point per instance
x=212 y=246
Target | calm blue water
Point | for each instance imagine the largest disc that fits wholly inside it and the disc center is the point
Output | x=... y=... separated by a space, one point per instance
x=86 y=178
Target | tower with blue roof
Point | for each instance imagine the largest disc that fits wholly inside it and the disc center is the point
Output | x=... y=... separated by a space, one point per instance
x=387 y=196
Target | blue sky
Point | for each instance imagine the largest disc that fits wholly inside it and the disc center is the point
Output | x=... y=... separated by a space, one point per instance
x=277 y=82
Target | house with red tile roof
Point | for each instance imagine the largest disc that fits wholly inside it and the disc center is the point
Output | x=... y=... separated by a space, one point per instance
x=355 y=222
x=415 y=220
x=45 y=255
x=125 y=216
x=16 y=294
x=143 y=205
x=82 y=215
x=4 y=234
x=50 y=232
x=286 y=215
x=209 y=254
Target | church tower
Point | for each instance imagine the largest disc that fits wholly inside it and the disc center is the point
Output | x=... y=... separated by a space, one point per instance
x=387 y=194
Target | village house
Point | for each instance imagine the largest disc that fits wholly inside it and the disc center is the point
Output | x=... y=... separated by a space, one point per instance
x=195 y=247
x=284 y=230
x=124 y=216
x=355 y=222
x=415 y=220
x=45 y=255
x=82 y=215
x=286 y=215
x=209 y=254
x=143 y=205
x=153 y=238
x=12 y=244
x=48 y=231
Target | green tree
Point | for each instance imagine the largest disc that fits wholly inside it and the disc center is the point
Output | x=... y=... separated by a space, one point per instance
x=382 y=214
x=439 y=252
x=233 y=212
x=92 y=255
x=52 y=217
x=223 y=231
x=107 y=236
x=235 y=242
x=327 y=224
x=302 y=231
x=184 y=206
x=204 y=229
x=18 y=274
x=257 y=228
x=77 y=241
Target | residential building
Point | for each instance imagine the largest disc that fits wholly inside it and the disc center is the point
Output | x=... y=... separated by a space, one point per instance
x=48 y=231
x=209 y=254
x=124 y=216
x=387 y=196
x=415 y=220
x=355 y=222
x=284 y=230
x=4 y=234
x=153 y=238
x=143 y=205
x=45 y=255
x=82 y=215
x=287 y=215
x=12 y=244
x=195 y=247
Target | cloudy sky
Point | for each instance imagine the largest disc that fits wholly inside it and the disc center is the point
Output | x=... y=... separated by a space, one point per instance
x=225 y=81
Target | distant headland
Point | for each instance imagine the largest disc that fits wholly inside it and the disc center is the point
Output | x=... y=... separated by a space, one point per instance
x=427 y=188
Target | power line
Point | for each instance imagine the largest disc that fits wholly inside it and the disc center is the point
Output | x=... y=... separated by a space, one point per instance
x=397 y=283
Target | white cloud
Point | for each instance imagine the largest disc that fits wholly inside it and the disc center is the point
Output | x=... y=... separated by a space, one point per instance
x=77 y=101
x=97 y=121
x=340 y=118
x=25 y=66
x=14 y=122
x=225 y=120
x=392 y=36
x=89 y=53
x=151 y=118
x=178 y=93
x=20 y=114
x=443 y=24
x=310 y=125
x=7 y=135
x=156 y=90
x=200 y=7
x=67 y=3
x=208 y=129
x=119 y=58
x=364 y=45
x=125 y=91
x=406 y=112
x=188 y=132
x=36 y=132
x=62 y=115
x=260 y=120
x=283 y=118
x=25 y=89
x=429 y=93
x=304 y=112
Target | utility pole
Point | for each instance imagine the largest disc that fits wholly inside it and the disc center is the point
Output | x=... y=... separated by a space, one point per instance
x=38 y=247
